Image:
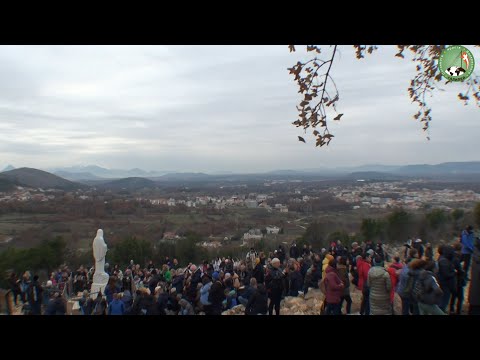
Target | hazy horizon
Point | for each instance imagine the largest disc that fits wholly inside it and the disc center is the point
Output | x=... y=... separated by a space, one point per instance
x=214 y=109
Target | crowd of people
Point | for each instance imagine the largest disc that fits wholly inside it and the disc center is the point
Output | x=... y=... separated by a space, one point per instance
x=425 y=282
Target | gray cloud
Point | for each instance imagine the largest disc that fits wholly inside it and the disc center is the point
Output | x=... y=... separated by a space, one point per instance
x=210 y=108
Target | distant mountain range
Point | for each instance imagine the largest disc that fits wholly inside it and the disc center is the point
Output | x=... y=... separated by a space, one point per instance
x=35 y=178
x=82 y=177
x=94 y=172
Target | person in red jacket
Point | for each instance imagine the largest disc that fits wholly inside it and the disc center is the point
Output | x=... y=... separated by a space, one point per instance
x=334 y=289
x=394 y=272
x=363 y=267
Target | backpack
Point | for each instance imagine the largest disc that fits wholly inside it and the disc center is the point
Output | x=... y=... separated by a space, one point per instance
x=418 y=290
x=409 y=287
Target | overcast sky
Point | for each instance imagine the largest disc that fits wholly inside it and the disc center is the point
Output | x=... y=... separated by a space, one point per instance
x=213 y=108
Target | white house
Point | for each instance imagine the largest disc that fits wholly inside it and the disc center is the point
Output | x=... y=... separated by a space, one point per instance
x=272 y=229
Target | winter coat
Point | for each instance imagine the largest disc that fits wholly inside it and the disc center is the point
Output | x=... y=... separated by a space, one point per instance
x=343 y=273
x=35 y=293
x=204 y=290
x=56 y=307
x=127 y=302
x=116 y=307
x=309 y=279
x=467 y=242
x=394 y=278
x=380 y=285
x=162 y=303
x=177 y=283
x=216 y=294
x=447 y=277
x=474 y=292
x=99 y=306
x=333 y=286
x=274 y=282
x=295 y=282
x=363 y=267
x=259 y=273
x=194 y=281
x=86 y=305
x=430 y=292
x=257 y=303
x=294 y=252
x=185 y=308
x=402 y=280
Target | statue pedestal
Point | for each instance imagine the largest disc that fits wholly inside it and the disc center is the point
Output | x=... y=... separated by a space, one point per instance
x=100 y=281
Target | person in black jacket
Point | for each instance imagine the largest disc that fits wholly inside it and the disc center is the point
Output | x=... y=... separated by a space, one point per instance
x=427 y=292
x=274 y=283
x=14 y=283
x=458 y=294
x=35 y=296
x=162 y=300
x=447 y=277
x=258 y=272
x=56 y=305
x=295 y=280
x=294 y=251
x=216 y=295
x=257 y=304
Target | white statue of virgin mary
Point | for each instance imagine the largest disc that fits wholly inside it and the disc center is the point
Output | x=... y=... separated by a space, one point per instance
x=100 y=277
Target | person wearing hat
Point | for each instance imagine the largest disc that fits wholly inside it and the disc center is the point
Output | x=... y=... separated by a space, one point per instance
x=274 y=284
x=379 y=283
x=467 y=240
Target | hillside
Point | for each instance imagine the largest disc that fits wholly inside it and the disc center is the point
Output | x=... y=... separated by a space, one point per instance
x=35 y=178
x=77 y=176
x=131 y=183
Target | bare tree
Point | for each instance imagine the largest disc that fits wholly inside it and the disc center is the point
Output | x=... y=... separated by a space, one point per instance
x=317 y=86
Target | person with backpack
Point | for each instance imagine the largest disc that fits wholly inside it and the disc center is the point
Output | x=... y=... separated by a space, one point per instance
x=274 y=284
x=467 y=239
x=402 y=283
x=414 y=266
x=427 y=292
